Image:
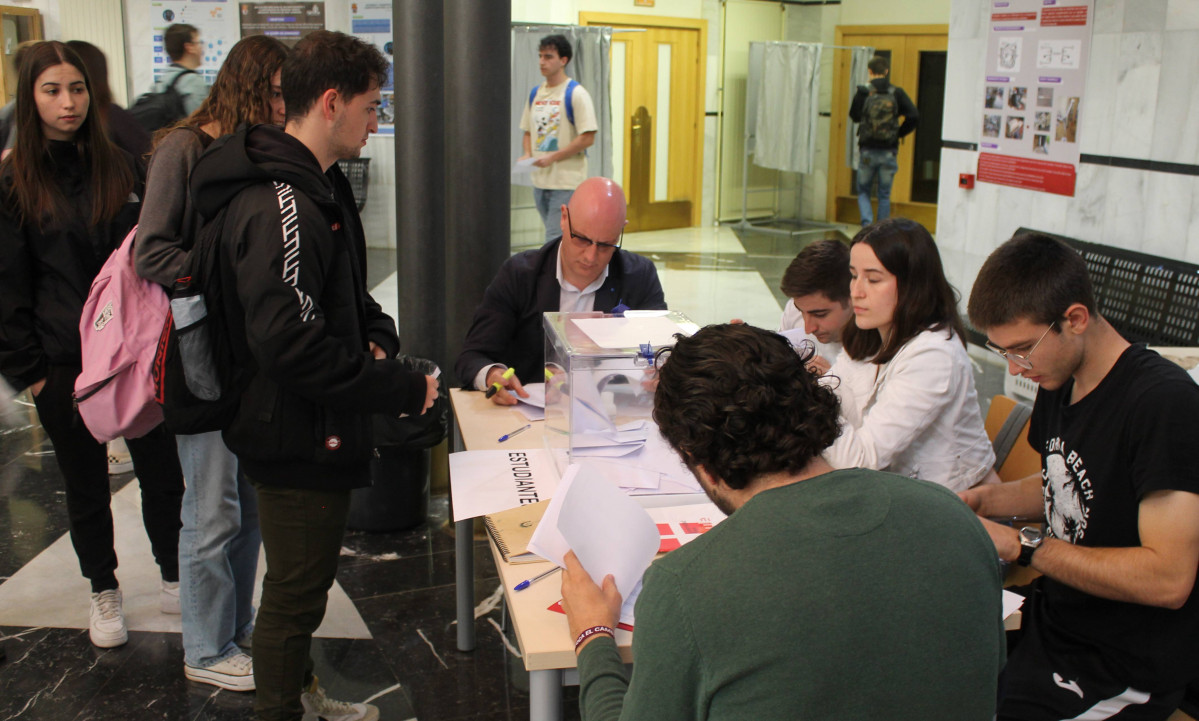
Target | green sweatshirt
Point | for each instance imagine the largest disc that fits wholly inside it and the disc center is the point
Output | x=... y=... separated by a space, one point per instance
x=853 y=595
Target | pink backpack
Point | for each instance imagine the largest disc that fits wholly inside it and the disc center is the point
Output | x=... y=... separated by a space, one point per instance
x=122 y=322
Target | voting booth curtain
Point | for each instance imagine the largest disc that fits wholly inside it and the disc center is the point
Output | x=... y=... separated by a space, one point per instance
x=781 y=108
x=591 y=66
x=858 y=75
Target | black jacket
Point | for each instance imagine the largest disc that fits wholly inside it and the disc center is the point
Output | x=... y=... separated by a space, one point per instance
x=907 y=109
x=507 y=327
x=293 y=274
x=45 y=274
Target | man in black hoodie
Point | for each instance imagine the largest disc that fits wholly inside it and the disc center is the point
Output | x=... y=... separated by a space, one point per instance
x=293 y=275
x=876 y=108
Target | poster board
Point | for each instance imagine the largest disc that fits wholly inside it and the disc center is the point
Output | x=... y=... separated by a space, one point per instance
x=221 y=24
x=288 y=22
x=370 y=21
x=1036 y=65
x=216 y=21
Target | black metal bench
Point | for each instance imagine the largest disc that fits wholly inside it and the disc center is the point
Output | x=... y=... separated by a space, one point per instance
x=1147 y=298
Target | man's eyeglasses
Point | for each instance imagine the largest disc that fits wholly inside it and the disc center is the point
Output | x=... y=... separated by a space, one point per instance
x=585 y=242
x=1020 y=360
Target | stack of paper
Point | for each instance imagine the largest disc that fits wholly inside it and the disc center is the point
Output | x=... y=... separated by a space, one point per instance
x=609 y=532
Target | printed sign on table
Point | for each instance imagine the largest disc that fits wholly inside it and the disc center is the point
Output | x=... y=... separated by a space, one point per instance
x=1035 y=75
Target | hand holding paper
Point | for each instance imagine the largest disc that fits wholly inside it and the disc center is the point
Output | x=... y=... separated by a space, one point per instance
x=608 y=531
x=587 y=604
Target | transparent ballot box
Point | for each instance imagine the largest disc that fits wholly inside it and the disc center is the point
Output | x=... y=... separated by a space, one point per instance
x=599 y=382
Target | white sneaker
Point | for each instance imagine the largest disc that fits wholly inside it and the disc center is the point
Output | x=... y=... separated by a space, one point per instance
x=235 y=673
x=319 y=706
x=107 y=626
x=119 y=460
x=168 y=598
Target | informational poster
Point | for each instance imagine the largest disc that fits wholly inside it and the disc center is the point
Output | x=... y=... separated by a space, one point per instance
x=213 y=18
x=371 y=21
x=1036 y=62
x=289 y=22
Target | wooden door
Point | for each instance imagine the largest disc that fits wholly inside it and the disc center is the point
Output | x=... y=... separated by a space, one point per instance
x=917 y=54
x=657 y=110
x=17 y=25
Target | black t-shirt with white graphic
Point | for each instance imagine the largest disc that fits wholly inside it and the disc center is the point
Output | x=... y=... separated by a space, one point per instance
x=1137 y=432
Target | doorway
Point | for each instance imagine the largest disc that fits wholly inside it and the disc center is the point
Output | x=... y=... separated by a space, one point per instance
x=17 y=25
x=658 y=67
x=918 y=61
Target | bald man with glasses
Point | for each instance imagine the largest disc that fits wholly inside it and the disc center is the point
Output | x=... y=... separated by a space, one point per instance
x=584 y=270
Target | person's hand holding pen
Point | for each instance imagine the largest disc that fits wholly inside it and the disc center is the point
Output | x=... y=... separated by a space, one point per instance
x=588 y=607
x=499 y=382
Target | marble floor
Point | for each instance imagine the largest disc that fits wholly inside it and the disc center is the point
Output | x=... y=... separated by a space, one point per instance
x=391 y=640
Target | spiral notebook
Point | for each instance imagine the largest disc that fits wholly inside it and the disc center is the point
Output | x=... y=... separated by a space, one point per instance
x=512 y=529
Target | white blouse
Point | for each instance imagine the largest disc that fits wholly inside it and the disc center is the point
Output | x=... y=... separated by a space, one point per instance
x=917 y=415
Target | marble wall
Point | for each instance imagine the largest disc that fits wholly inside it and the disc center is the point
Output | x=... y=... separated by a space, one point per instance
x=1141 y=103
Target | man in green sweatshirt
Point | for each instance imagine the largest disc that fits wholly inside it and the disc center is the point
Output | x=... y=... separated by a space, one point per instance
x=850 y=594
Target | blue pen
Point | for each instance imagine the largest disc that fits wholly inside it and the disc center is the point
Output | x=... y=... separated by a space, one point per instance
x=525 y=584
x=506 y=436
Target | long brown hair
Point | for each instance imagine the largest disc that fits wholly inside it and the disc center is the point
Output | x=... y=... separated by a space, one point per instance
x=242 y=89
x=925 y=299
x=34 y=192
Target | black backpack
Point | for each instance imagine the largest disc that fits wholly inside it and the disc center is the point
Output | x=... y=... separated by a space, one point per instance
x=157 y=110
x=199 y=376
x=880 y=118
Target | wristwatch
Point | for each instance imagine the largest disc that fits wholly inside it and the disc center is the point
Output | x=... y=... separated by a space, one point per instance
x=1030 y=540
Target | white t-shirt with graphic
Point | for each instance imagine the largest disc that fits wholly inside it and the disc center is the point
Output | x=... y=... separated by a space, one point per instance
x=549 y=130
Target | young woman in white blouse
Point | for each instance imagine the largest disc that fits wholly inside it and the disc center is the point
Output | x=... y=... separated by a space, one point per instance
x=908 y=402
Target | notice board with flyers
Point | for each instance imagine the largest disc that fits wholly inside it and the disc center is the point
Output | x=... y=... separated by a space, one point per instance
x=1036 y=65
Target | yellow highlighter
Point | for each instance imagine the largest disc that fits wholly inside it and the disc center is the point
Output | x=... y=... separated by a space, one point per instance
x=495 y=387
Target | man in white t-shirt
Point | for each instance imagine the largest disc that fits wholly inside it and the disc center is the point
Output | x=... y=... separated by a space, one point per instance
x=559 y=125
x=817 y=285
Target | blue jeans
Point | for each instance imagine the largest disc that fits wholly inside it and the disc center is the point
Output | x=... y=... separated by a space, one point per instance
x=218 y=551
x=873 y=164
x=549 y=206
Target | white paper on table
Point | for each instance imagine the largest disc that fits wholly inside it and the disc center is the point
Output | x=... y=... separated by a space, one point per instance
x=533 y=407
x=613 y=451
x=609 y=532
x=670 y=486
x=658 y=456
x=1011 y=603
x=625 y=476
x=630 y=332
x=531 y=413
x=524 y=166
x=635 y=433
x=491 y=481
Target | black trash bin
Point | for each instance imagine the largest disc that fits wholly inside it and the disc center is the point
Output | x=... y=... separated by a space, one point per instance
x=398 y=497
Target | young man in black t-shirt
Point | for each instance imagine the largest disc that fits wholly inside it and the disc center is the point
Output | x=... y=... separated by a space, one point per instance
x=1111 y=627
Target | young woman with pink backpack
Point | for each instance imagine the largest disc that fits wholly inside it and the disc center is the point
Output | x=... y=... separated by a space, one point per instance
x=67 y=199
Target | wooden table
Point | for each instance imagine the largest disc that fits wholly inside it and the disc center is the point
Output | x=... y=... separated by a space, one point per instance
x=542 y=635
x=478 y=425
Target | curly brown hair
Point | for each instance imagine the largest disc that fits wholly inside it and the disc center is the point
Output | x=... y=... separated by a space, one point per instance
x=241 y=92
x=739 y=401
